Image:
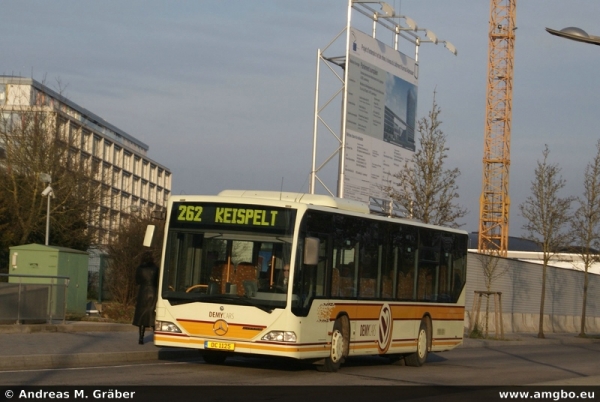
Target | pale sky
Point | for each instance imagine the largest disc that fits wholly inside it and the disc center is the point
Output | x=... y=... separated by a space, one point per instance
x=223 y=91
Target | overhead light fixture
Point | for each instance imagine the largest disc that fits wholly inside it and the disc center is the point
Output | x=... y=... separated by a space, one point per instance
x=432 y=37
x=576 y=34
x=387 y=9
x=410 y=22
x=450 y=47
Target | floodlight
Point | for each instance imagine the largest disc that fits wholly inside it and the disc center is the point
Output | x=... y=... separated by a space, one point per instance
x=450 y=47
x=432 y=37
x=387 y=9
x=411 y=23
x=48 y=192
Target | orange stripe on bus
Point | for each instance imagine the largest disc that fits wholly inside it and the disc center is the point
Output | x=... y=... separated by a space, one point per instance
x=204 y=328
x=251 y=346
x=399 y=311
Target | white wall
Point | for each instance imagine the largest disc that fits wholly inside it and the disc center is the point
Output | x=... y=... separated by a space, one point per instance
x=520 y=283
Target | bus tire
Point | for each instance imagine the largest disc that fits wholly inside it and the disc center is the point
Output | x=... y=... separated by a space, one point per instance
x=418 y=358
x=340 y=343
x=214 y=357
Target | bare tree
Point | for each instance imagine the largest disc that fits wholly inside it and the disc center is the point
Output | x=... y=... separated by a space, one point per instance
x=492 y=270
x=124 y=255
x=425 y=188
x=546 y=214
x=585 y=225
x=36 y=139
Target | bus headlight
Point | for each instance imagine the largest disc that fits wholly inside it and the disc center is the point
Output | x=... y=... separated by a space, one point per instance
x=280 y=336
x=166 y=326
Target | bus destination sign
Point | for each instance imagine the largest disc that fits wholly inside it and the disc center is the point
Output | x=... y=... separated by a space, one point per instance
x=209 y=214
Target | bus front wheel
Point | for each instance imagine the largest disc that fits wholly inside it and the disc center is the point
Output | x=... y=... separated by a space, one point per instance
x=340 y=342
x=418 y=358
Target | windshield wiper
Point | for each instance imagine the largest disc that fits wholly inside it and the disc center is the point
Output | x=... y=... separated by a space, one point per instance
x=219 y=298
x=229 y=299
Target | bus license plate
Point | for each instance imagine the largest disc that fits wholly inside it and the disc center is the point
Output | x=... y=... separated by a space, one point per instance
x=219 y=345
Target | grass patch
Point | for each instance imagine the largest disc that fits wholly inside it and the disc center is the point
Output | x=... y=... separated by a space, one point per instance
x=116 y=312
x=476 y=333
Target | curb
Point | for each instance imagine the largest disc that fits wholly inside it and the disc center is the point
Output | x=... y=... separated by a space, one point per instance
x=70 y=327
x=511 y=341
x=36 y=362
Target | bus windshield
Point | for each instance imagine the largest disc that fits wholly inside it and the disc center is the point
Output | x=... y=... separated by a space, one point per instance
x=217 y=254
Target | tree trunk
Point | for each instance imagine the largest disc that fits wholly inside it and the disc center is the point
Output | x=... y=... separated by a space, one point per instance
x=585 y=288
x=541 y=323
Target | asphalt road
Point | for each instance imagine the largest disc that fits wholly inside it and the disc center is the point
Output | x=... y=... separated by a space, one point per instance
x=553 y=364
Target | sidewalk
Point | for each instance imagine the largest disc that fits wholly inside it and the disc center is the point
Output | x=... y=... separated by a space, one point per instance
x=84 y=343
x=78 y=344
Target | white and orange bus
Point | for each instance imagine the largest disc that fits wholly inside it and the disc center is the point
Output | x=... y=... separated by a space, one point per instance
x=308 y=277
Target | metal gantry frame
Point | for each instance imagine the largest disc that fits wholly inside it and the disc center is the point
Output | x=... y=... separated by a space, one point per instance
x=386 y=19
x=495 y=199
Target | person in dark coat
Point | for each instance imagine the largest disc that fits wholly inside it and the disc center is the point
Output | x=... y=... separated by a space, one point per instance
x=146 y=276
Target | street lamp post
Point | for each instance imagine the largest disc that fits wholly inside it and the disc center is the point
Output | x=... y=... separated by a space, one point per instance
x=579 y=35
x=48 y=192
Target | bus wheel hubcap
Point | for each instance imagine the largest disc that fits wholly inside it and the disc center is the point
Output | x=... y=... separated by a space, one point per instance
x=337 y=346
x=422 y=343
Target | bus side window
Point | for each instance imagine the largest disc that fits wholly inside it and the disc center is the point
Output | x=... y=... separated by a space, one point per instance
x=310 y=279
x=406 y=255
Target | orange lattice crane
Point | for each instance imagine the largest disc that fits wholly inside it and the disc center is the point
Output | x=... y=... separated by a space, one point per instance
x=494 y=203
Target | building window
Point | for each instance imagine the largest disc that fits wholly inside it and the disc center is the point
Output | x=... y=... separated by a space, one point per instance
x=96 y=146
x=160 y=181
x=74 y=135
x=145 y=165
x=86 y=141
x=127 y=161
x=118 y=153
x=126 y=182
x=135 y=190
x=116 y=182
x=153 y=173
x=144 y=192
x=136 y=165
x=107 y=146
x=2 y=94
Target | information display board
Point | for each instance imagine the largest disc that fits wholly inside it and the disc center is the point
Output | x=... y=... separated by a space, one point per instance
x=380 y=116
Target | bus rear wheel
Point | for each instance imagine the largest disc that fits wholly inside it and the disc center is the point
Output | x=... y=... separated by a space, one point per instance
x=340 y=342
x=418 y=358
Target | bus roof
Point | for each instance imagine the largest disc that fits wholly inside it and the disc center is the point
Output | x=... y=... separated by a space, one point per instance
x=303 y=198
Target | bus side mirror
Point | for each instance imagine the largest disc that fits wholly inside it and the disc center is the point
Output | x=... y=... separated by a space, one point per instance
x=149 y=235
x=160 y=215
x=311 y=250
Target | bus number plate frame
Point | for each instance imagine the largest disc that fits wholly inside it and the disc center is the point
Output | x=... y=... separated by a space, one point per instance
x=229 y=346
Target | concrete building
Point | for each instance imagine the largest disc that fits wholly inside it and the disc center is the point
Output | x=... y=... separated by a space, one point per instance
x=132 y=180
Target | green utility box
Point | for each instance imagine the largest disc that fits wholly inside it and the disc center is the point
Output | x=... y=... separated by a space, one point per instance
x=37 y=262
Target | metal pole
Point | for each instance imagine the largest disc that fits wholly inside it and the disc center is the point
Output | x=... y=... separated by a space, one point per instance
x=49 y=315
x=342 y=167
x=19 y=303
x=67 y=281
x=313 y=172
x=48 y=220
